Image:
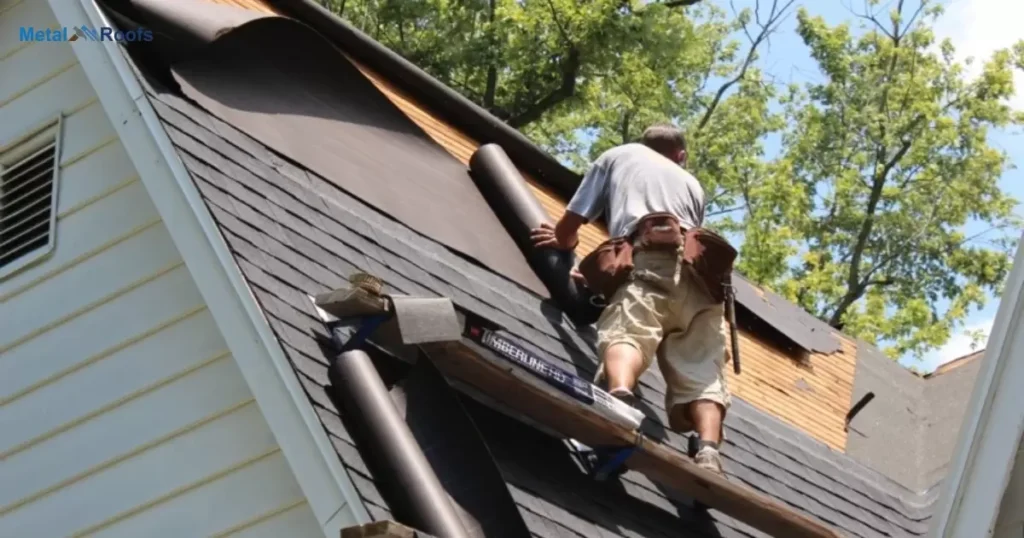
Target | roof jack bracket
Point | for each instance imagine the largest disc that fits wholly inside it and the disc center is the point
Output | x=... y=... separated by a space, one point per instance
x=403 y=320
x=367 y=327
x=611 y=460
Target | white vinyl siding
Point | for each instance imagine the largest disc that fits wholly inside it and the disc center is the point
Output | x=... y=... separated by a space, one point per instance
x=123 y=413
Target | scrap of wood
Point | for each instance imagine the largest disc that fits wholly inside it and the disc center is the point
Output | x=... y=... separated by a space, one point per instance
x=382 y=529
x=517 y=389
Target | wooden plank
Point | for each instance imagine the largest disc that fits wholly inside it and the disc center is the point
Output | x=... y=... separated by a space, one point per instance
x=252 y=5
x=382 y=529
x=529 y=395
x=786 y=401
x=789 y=378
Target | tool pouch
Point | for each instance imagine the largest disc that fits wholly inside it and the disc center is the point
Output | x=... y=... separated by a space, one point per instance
x=608 y=266
x=658 y=231
x=711 y=257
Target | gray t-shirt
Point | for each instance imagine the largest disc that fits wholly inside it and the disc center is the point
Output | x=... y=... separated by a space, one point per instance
x=632 y=181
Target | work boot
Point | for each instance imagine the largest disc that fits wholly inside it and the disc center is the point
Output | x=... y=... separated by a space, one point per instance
x=709 y=458
x=625 y=396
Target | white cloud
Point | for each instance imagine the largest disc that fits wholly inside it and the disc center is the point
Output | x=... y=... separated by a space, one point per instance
x=957 y=346
x=979 y=27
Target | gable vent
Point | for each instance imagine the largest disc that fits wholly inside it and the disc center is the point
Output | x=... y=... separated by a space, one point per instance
x=28 y=182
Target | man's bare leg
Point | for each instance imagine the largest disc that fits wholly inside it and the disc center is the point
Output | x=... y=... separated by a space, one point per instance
x=622 y=366
x=706 y=417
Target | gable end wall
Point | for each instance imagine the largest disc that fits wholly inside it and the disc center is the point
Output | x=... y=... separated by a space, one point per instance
x=123 y=412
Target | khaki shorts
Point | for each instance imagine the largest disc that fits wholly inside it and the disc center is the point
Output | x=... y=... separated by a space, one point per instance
x=665 y=312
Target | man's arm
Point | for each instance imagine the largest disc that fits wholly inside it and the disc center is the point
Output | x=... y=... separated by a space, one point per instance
x=703 y=210
x=586 y=205
x=563 y=235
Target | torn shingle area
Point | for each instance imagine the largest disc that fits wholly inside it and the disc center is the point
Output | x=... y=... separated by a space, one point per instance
x=786 y=318
x=293 y=235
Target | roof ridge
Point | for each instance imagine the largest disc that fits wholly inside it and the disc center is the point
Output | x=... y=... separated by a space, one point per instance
x=951 y=365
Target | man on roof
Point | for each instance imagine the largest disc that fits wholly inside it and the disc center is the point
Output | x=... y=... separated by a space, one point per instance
x=663 y=310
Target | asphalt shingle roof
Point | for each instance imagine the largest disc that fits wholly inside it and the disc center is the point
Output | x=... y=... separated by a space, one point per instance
x=295 y=234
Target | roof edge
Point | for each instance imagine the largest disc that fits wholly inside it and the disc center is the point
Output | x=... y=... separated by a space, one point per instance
x=956 y=363
x=282 y=401
x=446 y=102
x=991 y=432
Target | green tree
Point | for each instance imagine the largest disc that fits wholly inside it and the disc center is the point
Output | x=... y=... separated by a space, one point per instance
x=885 y=163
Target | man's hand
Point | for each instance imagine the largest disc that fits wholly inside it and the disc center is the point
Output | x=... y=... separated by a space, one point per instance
x=546 y=237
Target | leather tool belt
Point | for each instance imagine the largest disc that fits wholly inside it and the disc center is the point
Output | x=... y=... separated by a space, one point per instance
x=710 y=255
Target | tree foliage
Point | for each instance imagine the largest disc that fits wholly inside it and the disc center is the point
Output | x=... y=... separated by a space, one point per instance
x=860 y=216
x=884 y=165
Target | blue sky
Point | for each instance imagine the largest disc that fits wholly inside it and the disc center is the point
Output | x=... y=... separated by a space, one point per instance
x=976 y=28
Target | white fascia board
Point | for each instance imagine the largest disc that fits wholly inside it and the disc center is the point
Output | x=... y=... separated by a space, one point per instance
x=992 y=427
x=266 y=369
